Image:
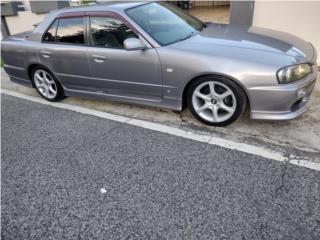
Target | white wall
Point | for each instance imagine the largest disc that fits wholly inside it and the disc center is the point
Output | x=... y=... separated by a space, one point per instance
x=301 y=18
x=23 y=21
x=197 y=3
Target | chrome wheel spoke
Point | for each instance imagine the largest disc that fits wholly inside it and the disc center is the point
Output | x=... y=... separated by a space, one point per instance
x=52 y=90
x=45 y=77
x=40 y=85
x=202 y=96
x=224 y=95
x=226 y=108
x=212 y=90
x=202 y=108
x=42 y=89
x=39 y=78
x=215 y=116
x=47 y=93
x=48 y=79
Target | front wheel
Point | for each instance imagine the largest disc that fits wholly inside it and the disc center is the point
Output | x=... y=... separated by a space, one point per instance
x=47 y=85
x=216 y=101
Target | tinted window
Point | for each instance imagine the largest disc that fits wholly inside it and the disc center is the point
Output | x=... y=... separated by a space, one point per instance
x=49 y=36
x=71 y=30
x=165 y=23
x=109 y=32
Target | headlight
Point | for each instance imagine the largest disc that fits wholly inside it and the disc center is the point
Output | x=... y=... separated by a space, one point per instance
x=293 y=73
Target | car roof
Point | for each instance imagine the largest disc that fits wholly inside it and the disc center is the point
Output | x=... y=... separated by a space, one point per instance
x=109 y=6
x=117 y=7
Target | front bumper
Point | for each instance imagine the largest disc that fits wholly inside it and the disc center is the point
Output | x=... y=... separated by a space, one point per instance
x=282 y=102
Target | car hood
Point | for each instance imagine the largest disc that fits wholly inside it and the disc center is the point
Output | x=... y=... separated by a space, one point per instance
x=255 y=38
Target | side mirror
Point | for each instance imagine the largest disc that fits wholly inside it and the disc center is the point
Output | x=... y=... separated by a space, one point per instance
x=134 y=44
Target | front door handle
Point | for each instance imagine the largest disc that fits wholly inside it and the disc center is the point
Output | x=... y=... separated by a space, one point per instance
x=99 y=58
x=45 y=54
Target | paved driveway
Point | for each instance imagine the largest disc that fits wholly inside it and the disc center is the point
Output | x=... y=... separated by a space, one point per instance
x=67 y=175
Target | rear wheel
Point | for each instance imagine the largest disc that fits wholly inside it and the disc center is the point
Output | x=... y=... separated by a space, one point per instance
x=216 y=101
x=47 y=85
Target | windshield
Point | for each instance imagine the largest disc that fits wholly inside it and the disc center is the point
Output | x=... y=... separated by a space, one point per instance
x=164 y=22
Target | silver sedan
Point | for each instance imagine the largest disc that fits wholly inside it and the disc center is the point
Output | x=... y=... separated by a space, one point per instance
x=158 y=55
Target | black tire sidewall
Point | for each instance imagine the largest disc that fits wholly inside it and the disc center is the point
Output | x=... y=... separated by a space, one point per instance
x=60 y=94
x=235 y=88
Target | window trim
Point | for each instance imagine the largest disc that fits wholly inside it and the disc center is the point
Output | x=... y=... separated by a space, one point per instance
x=48 y=28
x=86 y=16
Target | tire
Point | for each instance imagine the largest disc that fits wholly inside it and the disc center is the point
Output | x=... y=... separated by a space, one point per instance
x=216 y=101
x=47 y=84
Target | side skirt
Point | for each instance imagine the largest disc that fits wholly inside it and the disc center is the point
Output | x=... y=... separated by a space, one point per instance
x=168 y=103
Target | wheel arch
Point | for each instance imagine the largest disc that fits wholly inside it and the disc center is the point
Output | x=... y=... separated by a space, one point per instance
x=60 y=95
x=34 y=65
x=218 y=75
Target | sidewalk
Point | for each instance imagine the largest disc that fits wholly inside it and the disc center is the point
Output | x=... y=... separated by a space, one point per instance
x=218 y=14
x=302 y=133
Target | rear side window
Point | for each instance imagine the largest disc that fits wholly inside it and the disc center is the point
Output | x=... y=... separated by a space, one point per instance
x=109 y=32
x=71 y=31
x=66 y=30
x=50 y=35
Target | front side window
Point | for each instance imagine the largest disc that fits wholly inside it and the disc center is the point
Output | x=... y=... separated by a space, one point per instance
x=50 y=35
x=71 y=31
x=164 y=22
x=109 y=32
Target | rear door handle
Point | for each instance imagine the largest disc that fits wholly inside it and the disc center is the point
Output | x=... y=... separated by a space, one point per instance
x=45 y=54
x=99 y=58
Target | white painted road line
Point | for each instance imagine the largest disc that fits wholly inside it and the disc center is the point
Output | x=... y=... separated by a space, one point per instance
x=210 y=140
x=242 y=147
x=74 y=108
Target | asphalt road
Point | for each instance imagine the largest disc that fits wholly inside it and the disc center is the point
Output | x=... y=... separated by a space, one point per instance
x=155 y=186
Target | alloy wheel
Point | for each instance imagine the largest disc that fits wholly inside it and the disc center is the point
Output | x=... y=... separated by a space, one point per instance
x=45 y=84
x=214 y=101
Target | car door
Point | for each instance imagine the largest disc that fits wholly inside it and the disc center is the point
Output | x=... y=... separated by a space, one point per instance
x=64 y=51
x=116 y=71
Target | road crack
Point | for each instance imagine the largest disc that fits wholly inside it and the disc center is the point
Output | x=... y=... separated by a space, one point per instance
x=283 y=175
